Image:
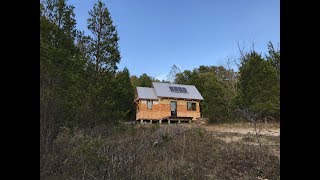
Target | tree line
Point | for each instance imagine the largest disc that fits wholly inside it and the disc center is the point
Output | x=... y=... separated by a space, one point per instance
x=255 y=86
x=80 y=84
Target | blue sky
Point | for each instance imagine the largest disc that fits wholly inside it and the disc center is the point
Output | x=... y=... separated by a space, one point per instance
x=155 y=34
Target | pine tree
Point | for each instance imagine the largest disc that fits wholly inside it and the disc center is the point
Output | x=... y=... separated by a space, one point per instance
x=61 y=14
x=274 y=57
x=124 y=104
x=144 y=81
x=60 y=72
x=102 y=54
x=214 y=107
x=104 y=46
x=259 y=86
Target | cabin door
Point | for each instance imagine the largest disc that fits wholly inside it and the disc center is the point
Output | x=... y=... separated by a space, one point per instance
x=173 y=107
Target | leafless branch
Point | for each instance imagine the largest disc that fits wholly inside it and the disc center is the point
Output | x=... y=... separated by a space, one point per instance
x=251 y=117
x=252 y=44
x=241 y=50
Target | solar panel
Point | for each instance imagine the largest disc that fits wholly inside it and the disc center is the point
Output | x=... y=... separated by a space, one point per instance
x=184 y=90
x=178 y=89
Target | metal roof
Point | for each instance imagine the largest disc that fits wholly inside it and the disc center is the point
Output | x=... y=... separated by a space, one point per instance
x=162 y=90
x=146 y=93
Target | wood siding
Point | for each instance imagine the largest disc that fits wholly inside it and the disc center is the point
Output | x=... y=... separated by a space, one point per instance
x=161 y=109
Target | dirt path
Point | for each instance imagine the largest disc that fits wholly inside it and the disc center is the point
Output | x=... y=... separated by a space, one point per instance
x=272 y=129
x=264 y=131
x=237 y=132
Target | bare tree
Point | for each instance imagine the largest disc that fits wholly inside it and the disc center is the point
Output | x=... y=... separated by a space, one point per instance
x=241 y=49
x=231 y=75
x=243 y=53
x=252 y=118
x=172 y=74
x=238 y=61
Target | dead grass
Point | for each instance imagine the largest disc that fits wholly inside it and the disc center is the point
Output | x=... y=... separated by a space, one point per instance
x=244 y=132
x=161 y=152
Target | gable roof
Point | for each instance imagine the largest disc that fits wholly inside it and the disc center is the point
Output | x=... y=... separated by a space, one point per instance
x=163 y=90
x=146 y=93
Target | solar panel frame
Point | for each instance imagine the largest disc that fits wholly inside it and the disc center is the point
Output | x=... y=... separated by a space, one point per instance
x=178 y=89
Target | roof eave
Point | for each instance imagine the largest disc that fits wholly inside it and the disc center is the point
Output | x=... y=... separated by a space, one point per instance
x=181 y=98
x=145 y=99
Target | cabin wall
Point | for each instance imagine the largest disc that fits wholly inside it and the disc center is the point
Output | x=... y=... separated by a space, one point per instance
x=161 y=109
x=145 y=113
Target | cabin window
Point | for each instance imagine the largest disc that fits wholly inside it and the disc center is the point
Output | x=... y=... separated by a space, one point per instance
x=191 y=106
x=149 y=104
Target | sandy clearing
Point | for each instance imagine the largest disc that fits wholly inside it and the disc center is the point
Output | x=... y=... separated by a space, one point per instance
x=264 y=131
x=240 y=130
x=272 y=129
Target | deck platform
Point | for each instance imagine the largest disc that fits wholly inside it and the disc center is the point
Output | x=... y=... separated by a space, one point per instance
x=168 y=120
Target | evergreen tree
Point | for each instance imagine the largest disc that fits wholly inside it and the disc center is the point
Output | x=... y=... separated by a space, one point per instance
x=99 y=104
x=214 y=106
x=274 y=57
x=125 y=90
x=184 y=77
x=60 y=73
x=259 y=86
x=104 y=46
x=134 y=81
x=58 y=12
x=144 y=81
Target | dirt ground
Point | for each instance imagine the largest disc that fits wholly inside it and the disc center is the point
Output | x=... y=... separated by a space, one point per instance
x=270 y=129
x=265 y=129
x=269 y=134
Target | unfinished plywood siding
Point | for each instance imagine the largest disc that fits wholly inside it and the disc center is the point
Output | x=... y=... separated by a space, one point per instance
x=161 y=109
x=144 y=112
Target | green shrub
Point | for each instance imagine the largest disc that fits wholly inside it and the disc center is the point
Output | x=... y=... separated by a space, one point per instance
x=200 y=131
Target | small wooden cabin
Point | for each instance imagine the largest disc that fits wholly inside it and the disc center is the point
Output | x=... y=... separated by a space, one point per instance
x=166 y=102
